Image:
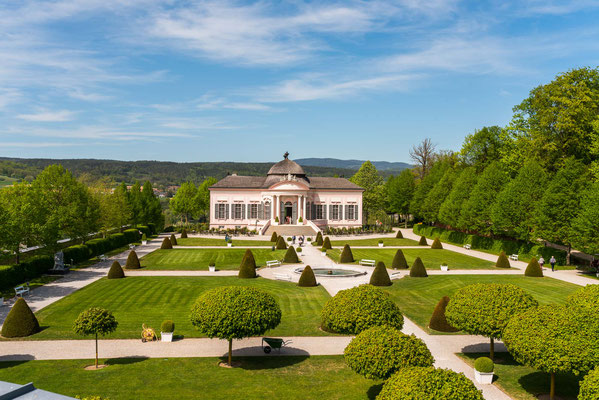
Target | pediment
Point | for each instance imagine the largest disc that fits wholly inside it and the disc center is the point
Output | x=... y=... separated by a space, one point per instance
x=289 y=185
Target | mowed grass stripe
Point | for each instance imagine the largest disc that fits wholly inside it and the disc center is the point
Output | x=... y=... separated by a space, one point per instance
x=374 y=242
x=200 y=259
x=150 y=300
x=221 y=242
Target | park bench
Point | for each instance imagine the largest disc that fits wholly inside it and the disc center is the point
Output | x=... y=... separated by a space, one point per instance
x=102 y=257
x=367 y=263
x=21 y=290
x=467 y=246
x=131 y=246
x=282 y=277
x=514 y=257
x=395 y=275
x=273 y=263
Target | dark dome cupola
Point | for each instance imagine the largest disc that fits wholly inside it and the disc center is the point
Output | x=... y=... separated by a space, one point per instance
x=287 y=167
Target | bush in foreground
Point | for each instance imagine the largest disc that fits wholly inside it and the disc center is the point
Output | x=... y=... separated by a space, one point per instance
x=115 y=271
x=422 y=241
x=418 y=270
x=307 y=278
x=380 y=351
x=380 y=276
x=436 y=244
x=438 y=320
x=281 y=245
x=398 y=235
x=399 y=260
x=347 y=256
x=353 y=310
x=533 y=269
x=502 y=261
x=247 y=268
x=132 y=261
x=589 y=387
x=166 y=244
x=20 y=321
x=418 y=383
x=587 y=296
x=291 y=256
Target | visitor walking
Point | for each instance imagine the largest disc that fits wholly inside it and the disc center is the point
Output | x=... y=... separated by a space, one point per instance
x=227 y=238
x=293 y=239
x=541 y=262
x=552 y=261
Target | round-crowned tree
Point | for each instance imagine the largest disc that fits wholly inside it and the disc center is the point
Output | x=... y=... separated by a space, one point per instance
x=346 y=256
x=436 y=244
x=380 y=276
x=502 y=261
x=399 y=260
x=95 y=321
x=173 y=239
x=327 y=243
x=166 y=244
x=307 y=278
x=426 y=383
x=485 y=308
x=533 y=269
x=281 y=245
x=291 y=256
x=438 y=320
x=235 y=312
x=20 y=321
x=184 y=234
x=132 y=261
x=115 y=271
x=418 y=270
x=318 y=240
x=274 y=237
x=247 y=268
x=353 y=310
x=380 y=351
x=554 y=339
x=399 y=235
x=422 y=241
x=589 y=387
x=587 y=296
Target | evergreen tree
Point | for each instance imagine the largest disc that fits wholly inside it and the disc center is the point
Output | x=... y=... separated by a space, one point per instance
x=437 y=195
x=449 y=212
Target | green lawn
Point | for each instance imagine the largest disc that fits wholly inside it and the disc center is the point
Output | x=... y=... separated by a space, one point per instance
x=221 y=242
x=199 y=259
x=432 y=259
x=417 y=297
x=150 y=300
x=375 y=242
x=525 y=383
x=292 y=378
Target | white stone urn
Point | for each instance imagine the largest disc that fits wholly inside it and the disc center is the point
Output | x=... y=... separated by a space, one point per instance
x=381 y=244
x=212 y=268
x=144 y=242
x=485 y=378
x=444 y=268
x=166 y=336
x=229 y=244
x=324 y=253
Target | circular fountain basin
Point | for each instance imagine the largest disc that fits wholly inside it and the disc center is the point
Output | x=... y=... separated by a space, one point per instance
x=332 y=272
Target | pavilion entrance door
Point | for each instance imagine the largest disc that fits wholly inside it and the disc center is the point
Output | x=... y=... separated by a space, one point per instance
x=288 y=213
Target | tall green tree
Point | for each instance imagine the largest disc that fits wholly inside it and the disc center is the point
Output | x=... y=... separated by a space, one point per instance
x=369 y=179
x=203 y=196
x=185 y=203
x=484 y=146
x=18 y=218
x=585 y=227
x=437 y=195
x=135 y=203
x=449 y=212
x=434 y=175
x=400 y=190
x=151 y=208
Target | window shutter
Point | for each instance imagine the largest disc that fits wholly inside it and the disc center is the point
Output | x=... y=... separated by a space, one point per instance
x=340 y=212
x=216 y=211
x=227 y=211
x=261 y=210
x=242 y=206
x=347 y=211
x=312 y=211
x=294 y=211
x=356 y=213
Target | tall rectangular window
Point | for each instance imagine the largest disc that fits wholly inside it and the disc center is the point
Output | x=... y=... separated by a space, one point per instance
x=319 y=211
x=335 y=212
x=221 y=211
x=266 y=210
x=237 y=211
x=253 y=211
x=351 y=212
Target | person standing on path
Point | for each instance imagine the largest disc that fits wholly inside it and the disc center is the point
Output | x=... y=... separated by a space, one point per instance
x=541 y=262
x=552 y=261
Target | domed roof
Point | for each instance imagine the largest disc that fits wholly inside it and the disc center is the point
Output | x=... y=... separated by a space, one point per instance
x=285 y=167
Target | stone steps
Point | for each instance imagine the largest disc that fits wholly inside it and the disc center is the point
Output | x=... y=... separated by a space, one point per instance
x=290 y=230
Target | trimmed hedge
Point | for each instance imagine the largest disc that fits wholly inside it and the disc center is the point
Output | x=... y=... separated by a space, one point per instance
x=173 y=239
x=115 y=271
x=318 y=240
x=307 y=279
x=281 y=245
x=354 y=310
x=166 y=244
x=438 y=320
x=346 y=256
x=399 y=260
x=436 y=244
x=247 y=268
x=13 y=275
x=484 y=365
x=20 y=321
x=533 y=269
x=77 y=253
x=380 y=276
x=184 y=234
x=422 y=241
x=418 y=270
x=274 y=237
x=291 y=256
x=589 y=387
x=132 y=261
x=327 y=243
x=145 y=229
x=502 y=261
x=587 y=296
x=399 y=235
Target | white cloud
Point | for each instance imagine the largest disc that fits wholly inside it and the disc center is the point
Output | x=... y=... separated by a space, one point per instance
x=32 y=144
x=48 y=116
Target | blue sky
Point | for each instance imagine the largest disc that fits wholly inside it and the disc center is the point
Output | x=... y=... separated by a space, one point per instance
x=246 y=81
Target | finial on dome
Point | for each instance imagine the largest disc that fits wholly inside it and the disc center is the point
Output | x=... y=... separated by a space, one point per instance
x=286 y=155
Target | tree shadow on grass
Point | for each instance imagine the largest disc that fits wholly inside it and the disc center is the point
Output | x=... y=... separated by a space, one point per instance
x=374 y=391
x=267 y=362
x=8 y=361
x=126 y=360
x=537 y=383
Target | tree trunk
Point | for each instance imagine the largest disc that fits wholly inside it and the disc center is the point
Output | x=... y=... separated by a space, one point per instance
x=492 y=349
x=568 y=255
x=552 y=390
x=230 y=350
x=96 y=350
x=18 y=255
x=406 y=221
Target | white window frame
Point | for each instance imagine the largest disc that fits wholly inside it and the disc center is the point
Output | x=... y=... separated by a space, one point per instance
x=266 y=209
x=319 y=211
x=237 y=212
x=253 y=214
x=335 y=212
x=351 y=212
x=222 y=209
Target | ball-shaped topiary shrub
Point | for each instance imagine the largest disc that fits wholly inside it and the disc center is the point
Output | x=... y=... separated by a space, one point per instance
x=422 y=241
x=184 y=234
x=587 y=296
x=289 y=239
x=436 y=244
x=20 y=321
x=274 y=237
x=380 y=276
x=132 y=261
x=533 y=269
x=380 y=351
x=484 y=364
x=589 y=387
x=418 y=270
x=281 y=245
x=427 y=383
x=166 y=244
x=353 y=310
x=398 y=235
x=327 y=243
x=318 y=240
x=399 y=260
x=247 y=268
x=346 y=256
x=173 y=239
x=115 y=271
x=167 y=326
x=438 y=320
x=502 y=261
x=307 y=278
x=291 y=256
x=298 y=250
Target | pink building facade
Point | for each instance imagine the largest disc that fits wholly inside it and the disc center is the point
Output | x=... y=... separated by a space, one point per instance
x=285 y=197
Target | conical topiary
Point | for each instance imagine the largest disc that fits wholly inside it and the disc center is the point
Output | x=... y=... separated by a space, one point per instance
x=326 y=244
x=291 y=256
x=399 y=260
x=418 y=270
x=281 y=245
x=422 y=241
x=173 y=239
x=274 y=237
x=166 y=244
x=380 y=276
x=307 y=279
x=247 y=268
x=438 y=321
x=398 y=235
x=115 y=271
x=502 y=261
x=436 y=244
x=346 y=255
x=184 y=234
x=319 y=239
x=132 y=261
x=20 y=321
x=534 y=269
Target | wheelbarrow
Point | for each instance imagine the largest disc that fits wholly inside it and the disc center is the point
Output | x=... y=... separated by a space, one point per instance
x=273 y=343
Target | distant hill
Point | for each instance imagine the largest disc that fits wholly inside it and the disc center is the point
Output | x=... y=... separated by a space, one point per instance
x=352 y=164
